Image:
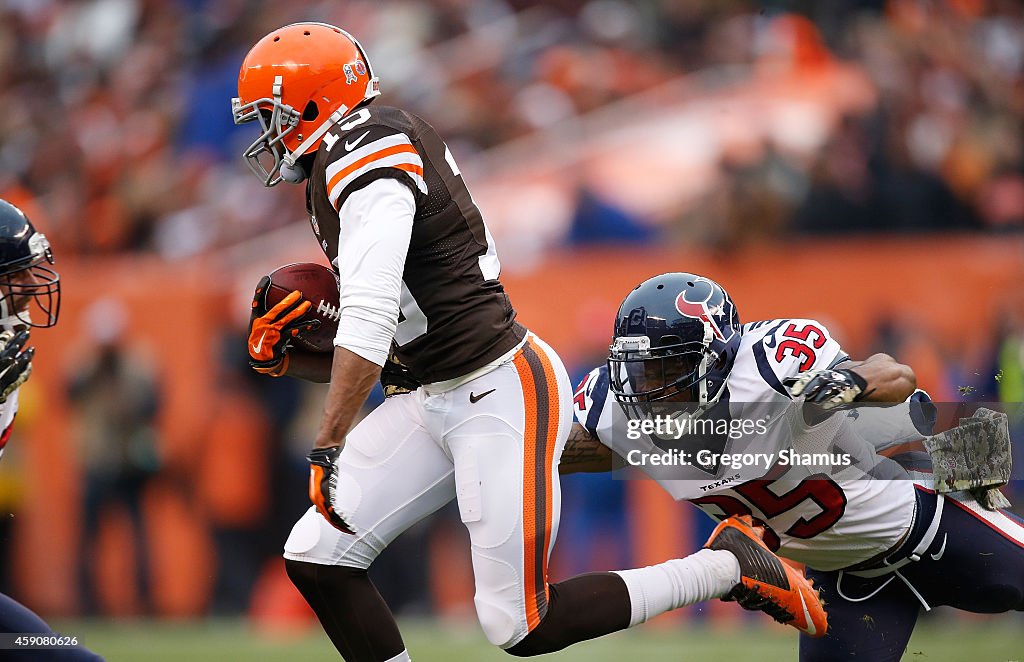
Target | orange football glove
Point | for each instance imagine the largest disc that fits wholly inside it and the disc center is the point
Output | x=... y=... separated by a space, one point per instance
x=321 y=481
x=271 y=331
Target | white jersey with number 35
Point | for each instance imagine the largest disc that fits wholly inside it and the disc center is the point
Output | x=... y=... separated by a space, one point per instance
x=828 y=522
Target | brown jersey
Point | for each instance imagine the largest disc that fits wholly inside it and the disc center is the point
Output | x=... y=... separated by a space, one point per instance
x=455 y=316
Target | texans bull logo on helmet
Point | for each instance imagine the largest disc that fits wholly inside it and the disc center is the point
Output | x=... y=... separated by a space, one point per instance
x=708 y=304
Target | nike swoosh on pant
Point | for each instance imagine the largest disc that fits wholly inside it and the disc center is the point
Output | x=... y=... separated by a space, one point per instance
x=476 y=398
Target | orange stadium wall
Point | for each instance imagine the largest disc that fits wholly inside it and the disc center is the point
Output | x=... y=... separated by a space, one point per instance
x=951 y=289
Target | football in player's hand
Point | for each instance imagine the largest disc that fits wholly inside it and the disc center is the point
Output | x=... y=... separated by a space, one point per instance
x=319 y=286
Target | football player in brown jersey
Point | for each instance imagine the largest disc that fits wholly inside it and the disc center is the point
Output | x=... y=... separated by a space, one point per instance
x=419 y=280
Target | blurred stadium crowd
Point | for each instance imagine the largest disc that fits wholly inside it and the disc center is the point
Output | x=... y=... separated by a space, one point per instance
x=90 y=86
x=117 y=139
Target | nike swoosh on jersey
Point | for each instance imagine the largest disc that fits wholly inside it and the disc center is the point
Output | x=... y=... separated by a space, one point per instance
x=477 y=398
x=349 y=146
x=259 y=346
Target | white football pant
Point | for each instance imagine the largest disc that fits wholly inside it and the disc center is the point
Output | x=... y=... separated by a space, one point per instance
x=493 y=444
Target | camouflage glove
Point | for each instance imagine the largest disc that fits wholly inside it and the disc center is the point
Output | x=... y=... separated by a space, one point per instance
x=974 y=456
x=830 y=389
x=323 y=481
x=15 y=362
x=396 y=378
x=271 y=331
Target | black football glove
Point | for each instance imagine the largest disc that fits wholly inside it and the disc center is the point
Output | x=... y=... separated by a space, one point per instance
x=15 y=362
x=323 y=480
x=830 y=389
x=271 y=331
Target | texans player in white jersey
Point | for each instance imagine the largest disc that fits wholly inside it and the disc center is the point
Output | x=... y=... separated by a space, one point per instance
x=879 y=548
x=27 y=285
x=419 y=282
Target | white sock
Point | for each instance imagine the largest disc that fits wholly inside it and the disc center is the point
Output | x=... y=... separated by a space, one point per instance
x=401 y=657
x=710 y=573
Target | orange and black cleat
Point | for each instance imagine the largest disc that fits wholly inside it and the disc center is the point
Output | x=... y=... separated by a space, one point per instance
x=766 y=583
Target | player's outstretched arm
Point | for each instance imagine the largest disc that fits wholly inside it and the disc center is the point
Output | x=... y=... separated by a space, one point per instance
x=887 y=380
x=584 y=453
x=879 y=378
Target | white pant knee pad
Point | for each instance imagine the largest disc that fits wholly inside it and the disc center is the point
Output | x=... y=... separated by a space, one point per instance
x=500 y=624
x=499 y=600
x=314 y=540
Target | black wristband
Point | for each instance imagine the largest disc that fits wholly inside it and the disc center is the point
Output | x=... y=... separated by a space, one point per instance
x=324 y=457
x=856 y=379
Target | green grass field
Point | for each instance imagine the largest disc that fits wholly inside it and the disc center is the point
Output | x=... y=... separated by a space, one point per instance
x=997 y=639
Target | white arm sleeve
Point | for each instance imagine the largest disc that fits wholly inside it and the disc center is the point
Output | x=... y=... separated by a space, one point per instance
x=376 y=227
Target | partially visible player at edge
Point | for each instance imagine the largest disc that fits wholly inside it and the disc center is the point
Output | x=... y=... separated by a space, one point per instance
x=26 y=283
x=419 y=280
x=880 y=549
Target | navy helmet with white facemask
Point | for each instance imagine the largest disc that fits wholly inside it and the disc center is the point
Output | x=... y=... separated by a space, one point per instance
x=676 y=338
x=30 y=288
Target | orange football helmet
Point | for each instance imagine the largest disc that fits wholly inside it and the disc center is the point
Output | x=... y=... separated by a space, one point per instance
x=297 y=82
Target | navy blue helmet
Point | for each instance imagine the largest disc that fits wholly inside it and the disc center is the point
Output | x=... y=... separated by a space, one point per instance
x=29 y=289
x=676 y=338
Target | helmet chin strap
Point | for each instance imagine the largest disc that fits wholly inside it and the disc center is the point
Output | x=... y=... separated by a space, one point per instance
x=703 y=386
x=290 y=170
x=709 y=335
